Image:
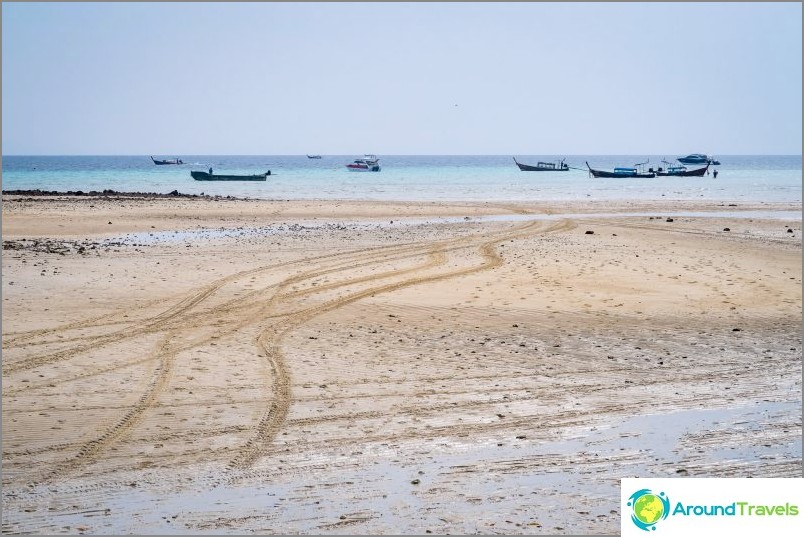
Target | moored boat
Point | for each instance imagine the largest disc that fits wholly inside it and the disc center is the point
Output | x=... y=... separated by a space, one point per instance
x=209 y=176
x=369 y=163
x=168 y=161
x=698 y=158
x=682 y=171
x=622 y=172
x=543 y=166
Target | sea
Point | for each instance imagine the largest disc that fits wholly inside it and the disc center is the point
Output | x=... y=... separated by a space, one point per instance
x=741 y=178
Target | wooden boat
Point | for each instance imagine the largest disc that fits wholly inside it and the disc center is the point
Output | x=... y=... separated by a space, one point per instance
x=622 y=172
x=682 y=171
x=206 y=176
x=543 y=166
x=169 y=161
x=369 y=163
x=313 y=156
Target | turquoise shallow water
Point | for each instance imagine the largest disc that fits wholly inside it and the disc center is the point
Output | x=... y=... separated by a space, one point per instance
x=758 y=178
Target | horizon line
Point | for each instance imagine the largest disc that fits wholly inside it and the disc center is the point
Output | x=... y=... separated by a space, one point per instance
x=387 y=154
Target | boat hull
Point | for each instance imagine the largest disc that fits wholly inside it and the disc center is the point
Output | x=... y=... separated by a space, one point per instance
x=204 y=176
x=353 y=168
x=610 y=175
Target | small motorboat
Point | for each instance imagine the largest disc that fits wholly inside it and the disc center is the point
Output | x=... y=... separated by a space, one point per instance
x=698 y=158
x=369 y=163
x=694 y=158
x=313 y=156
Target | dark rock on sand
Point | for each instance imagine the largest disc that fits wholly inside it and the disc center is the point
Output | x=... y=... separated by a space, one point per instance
x=104 y=193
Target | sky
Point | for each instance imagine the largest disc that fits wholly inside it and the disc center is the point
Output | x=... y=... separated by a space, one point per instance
x=401 y=78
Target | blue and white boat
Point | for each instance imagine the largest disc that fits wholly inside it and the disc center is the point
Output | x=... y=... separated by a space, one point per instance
x=698 y=158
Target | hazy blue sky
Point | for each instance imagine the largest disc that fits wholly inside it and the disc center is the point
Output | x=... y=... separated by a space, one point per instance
x=402 y=78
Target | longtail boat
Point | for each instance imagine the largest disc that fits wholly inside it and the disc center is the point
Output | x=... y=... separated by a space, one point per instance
x=206 y=176
x=621 y=172
x=543 y=166
x=682 y=171
x=168 y=161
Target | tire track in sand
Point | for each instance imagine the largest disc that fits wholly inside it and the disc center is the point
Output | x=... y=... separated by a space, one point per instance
x=171 y=316
x=236 y=306
x=91 y=450
x=270 y=339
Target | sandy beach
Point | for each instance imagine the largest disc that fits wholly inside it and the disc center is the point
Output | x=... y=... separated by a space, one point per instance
x=212 y=365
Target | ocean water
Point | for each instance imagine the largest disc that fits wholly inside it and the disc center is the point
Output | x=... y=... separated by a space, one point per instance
x=741 y=178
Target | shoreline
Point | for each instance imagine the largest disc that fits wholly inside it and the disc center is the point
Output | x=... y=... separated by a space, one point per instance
x=372 y=367
x=109 y=193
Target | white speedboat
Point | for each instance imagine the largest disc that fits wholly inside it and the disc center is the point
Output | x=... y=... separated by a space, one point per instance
x=369 y=163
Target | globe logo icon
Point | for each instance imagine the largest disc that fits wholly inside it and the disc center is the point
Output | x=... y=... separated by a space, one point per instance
x=648 y=508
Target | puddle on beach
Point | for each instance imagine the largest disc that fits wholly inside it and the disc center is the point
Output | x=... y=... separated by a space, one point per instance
x=163 y=237
x=446 y=486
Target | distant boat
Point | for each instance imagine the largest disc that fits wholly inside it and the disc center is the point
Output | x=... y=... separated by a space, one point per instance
x=698 y=158
x=369 y=163
x=622 y=172
x=169 y=161
x=313 y=156
x=543 y=166
x=682 y=171
x=206 y=176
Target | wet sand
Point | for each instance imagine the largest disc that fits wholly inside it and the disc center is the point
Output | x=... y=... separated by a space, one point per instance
x=197 y=365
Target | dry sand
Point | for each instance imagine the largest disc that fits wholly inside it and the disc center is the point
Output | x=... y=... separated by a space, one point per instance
x=233 y=366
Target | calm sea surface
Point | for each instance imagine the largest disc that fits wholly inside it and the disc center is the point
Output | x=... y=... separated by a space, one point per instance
x=758 y=178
